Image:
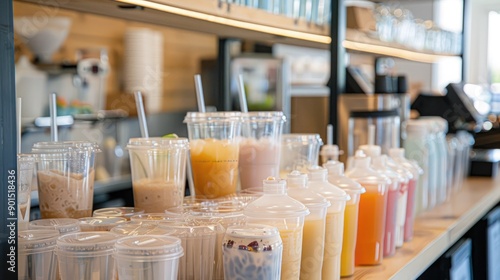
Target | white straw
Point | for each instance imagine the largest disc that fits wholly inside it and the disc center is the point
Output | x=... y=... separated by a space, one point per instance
x=329 y=134
x=19 y=126
x=241 y=93
x=53 y=117
x=395 y=136
x=199 y=93
x=141 y=114
x=371 y=134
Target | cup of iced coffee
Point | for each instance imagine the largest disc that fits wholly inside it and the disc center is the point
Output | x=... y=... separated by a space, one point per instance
x=214 y=150
x=65 y=174
x=158 y=168
x=260 y=147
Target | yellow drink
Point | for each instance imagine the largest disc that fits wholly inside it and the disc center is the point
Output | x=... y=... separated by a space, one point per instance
x=292 y=248
x=333 y=245
x=312 y=249
x=349 y=241
x=215 y=167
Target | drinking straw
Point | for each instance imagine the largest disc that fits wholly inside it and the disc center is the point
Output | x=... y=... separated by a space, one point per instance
x=241 y=94
x=18 y=123
x=53 y=117
x=140 y=113
x=329 y=134
x=199 y=93
x=395 y=136
x=371 y=134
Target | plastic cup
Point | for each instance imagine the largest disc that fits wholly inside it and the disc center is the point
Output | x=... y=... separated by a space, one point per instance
x=87 y=255
x=140 y=228
x=251 y=246
x=36 y=254
x=148 y=257
x=299 y=152
x=276 y=208
x=25 y=167
x=62 y=225
x=158 y=168
x=100 y=223
x=65 y=173
x=214 y=151
x=125 y=212
x=260 y=147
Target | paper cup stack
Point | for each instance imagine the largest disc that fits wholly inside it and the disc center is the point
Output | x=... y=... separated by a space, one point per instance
x=143 y=65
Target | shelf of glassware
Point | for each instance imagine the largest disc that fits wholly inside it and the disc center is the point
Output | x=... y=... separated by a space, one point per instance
x=362 y=42
x=209 y=16
x=437 y=230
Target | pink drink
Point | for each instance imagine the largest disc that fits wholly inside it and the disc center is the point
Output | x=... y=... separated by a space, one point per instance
x=410 y=210
x=258 y=160
x=390 y=223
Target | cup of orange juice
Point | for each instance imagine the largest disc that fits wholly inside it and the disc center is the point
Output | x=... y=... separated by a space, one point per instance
x=214 y=151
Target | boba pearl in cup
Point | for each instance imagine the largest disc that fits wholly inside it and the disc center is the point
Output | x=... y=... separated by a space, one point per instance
x=276 y=208
x=25 y=167
x=148 y=257
x=86 y=255
x=248 y=247
x=214 y=149
x=65 y=173
x=36 y=254
x=299 y=152
x=158 y=168
x=260 y=147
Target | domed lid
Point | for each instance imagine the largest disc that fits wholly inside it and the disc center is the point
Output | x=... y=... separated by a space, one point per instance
x=363 y=173
x=265 y=238
x=371 y=150
x=318 y=182
x=299 y=191
x=417 y=127
x=37 y=240
x=380 y=165
x=63 y=225
x=90 y=243
x=398 y=155
x=158 y=143
x=337 y=178
x=147 y=247
x=331 y=151
x=317 y=173
x=275 y=203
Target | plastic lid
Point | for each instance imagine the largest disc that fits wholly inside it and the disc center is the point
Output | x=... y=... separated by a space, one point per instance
x=155 y=218
x=301 y=139
x=65 y=147
x=263 y=116
x=337 y=178
x=95 y=222
x=363 y=173
x=63 y=225
x=371 y=150
x=90 y=243
x=380 y=165
x=330 y=151
x=415 y=126
x=37 y=240
x=398 y=155
x=158 y=143
x=275 y=203
x=212 y=117
x=192 y=229
x=149 y=247
x=264 y=238
x=317 y=173
x=126 y=212
x=298 y=190
x=138 y=228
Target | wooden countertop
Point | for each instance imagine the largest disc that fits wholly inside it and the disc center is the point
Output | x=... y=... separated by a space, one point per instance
x=437 y=230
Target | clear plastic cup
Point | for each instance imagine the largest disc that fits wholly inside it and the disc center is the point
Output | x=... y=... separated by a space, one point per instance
x=260 y=147
x=140 y=228
x=334 y=220
x=214 y=151
x=148 y=257
x=87 y=255
x=65 y=173
x=276 y=208
x=299 y=152
x=62 y=225
x=251 y=246
x=354 y=190
x=158 y=167
x=372 y=211
x=25 y=167
x=36 y=254
x=125 y=212
x=313 y=240
x=100 y=223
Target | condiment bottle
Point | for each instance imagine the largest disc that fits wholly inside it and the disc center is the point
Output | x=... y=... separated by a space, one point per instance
x=276 y=208
x=334 y=219
x=354 y=190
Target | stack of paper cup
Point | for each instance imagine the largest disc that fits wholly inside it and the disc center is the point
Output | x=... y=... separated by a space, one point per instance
x=143 y=65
